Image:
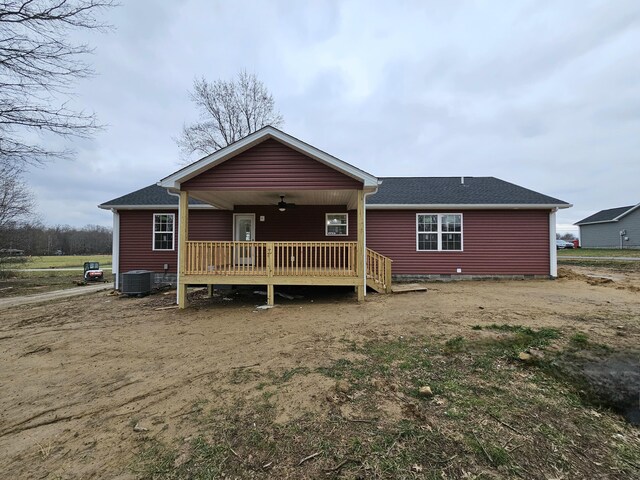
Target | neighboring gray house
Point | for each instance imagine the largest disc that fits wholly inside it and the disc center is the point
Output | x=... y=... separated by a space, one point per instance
x=612 y=228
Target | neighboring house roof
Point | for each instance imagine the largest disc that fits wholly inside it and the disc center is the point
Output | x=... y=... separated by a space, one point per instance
x=174 y=180
x=608 y=215
x=152 y=196
x=393 y=192
x=457 y=191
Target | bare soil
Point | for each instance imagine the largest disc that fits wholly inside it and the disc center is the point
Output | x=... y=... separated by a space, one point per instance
x=79 y=374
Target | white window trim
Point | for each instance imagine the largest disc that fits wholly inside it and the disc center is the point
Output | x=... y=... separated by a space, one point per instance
x=439 y=232
x=326 y=225
x=173 y=236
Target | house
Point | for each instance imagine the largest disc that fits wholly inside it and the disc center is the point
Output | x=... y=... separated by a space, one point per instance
x=612 y=228
x=273 y=210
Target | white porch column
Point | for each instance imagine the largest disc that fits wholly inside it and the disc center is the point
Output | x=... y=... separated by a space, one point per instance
x=115 y=248
x=553 y=251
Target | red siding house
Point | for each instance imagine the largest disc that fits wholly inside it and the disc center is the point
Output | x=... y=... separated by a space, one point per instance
x=273 y=210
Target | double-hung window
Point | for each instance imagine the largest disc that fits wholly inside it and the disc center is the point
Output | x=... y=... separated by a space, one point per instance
x=163 y=231
x=337 y=224
x=439 y=231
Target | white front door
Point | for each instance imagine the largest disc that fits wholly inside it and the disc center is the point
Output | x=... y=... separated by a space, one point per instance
x=244 y=231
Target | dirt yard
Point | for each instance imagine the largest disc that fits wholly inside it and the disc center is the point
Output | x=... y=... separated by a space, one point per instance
x=102 y=386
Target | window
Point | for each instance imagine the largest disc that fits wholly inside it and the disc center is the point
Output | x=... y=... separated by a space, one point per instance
x=439 y=231
x=163 y=231
x=337 y=224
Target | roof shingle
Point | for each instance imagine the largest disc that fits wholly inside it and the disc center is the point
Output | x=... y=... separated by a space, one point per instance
x=456 y=190
x=153 y=195
x=607 y=215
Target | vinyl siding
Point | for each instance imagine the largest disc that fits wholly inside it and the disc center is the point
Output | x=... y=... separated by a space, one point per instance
x=136 y=237
x=304 y=223
x=505 y=242
x=607 y=235
x=271 y=166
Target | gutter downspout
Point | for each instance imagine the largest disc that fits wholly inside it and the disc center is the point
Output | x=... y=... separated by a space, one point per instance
x=553 y=251
x=115 y=248
x=364 y=213
x=178 y=251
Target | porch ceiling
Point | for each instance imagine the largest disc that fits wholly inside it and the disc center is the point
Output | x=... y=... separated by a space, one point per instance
x=227 y=199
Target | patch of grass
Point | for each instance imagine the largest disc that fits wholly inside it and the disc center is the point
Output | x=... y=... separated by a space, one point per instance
x=338 y=370
x=455 y=344
x=289 y=374
x=18 y=282
x=593 y=263
x=155 y=460
x=579 y=340
x=598 y=252
x=522 y=338
x=496 y=454
x=63 y=261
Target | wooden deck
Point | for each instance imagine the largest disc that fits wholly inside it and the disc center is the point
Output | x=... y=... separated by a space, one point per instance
x=282 y=263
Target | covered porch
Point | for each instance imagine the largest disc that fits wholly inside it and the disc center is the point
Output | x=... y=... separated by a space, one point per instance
x=248 y=259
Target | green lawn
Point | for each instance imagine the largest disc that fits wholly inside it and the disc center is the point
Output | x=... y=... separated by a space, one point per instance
x=61 y=261
x=599 y=252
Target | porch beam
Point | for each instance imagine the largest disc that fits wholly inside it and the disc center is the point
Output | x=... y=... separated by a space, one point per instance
x=183 y=236
x=360 y=262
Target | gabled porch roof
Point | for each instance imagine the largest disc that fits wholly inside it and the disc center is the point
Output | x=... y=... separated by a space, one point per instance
x=174 y=180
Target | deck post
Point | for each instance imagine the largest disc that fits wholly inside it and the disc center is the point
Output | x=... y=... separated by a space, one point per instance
x=183 y=236
x=270 y=272
x=360 y=252
x=387 y=274
x=210 y=290
x=270 y=294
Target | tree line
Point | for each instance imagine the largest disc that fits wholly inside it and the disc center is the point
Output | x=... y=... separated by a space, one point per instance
x=37 y=239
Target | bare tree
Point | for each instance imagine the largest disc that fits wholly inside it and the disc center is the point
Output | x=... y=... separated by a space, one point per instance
x=39 y=63
x=16 y=200
x=229 y=111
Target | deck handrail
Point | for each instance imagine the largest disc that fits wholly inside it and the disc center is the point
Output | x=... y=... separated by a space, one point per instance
x=272 y=259
x=379 y=270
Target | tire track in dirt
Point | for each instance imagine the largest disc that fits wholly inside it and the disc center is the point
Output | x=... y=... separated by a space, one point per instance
x=20 y=426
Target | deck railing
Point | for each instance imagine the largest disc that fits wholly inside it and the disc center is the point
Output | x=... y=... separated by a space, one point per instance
x=379 y=271
x=334 y=259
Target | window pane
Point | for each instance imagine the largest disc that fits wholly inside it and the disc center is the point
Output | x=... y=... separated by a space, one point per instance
x=451 y=241
x=163 y=241
x=451 y=223
x=337 y=219
x=336 y=230
x=427 y=223
x=427 y=241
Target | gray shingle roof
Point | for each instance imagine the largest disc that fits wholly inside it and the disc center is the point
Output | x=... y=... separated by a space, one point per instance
x=605 y=215
x=395 y=191
x=153 y=195
x=451 y=190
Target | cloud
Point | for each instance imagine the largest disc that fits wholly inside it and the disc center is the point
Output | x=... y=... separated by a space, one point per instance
x=542 y=94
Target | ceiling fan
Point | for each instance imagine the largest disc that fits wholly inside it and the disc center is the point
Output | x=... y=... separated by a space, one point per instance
x=282 y=205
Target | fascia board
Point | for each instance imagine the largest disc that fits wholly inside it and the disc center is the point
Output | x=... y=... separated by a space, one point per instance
x=471 y=206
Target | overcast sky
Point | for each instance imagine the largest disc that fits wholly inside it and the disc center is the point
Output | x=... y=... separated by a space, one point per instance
x=544 y=94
